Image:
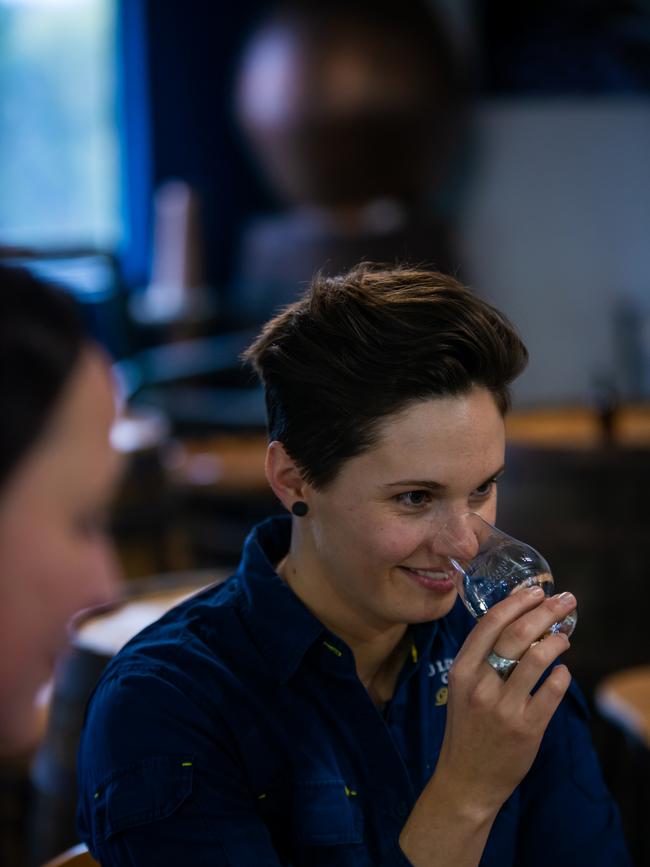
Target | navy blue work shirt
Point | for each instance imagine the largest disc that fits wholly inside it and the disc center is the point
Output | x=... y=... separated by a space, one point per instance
x=235 y=731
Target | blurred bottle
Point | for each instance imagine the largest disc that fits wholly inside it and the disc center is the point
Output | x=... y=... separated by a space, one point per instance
x=631 y=326
x=177 y=291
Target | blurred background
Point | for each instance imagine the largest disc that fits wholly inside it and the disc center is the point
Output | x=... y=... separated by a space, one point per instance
x=184 y=168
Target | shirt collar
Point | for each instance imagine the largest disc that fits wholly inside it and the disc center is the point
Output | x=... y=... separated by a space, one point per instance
x=281 y=625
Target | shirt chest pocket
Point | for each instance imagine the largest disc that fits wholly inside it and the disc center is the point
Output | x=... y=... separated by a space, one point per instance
x=326 y=813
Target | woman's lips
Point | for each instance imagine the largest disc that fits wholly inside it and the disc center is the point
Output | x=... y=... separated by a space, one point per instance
x=433 y=579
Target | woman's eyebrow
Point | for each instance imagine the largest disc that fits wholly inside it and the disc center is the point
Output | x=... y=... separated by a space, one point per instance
x=437 y=486
x=417 y=483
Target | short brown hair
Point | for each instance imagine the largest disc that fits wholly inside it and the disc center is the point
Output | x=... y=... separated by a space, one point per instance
x=360 y=347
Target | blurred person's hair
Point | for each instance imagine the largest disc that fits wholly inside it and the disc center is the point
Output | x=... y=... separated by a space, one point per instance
x=41 y=339
x=362 y=346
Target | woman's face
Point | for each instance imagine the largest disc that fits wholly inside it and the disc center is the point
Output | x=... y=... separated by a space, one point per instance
x=55 y=558
x=371 y=534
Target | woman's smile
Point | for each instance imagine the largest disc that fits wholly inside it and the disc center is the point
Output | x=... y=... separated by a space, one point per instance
x=440 y=581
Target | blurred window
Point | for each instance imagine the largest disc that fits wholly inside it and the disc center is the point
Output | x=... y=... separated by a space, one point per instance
x=59 y=143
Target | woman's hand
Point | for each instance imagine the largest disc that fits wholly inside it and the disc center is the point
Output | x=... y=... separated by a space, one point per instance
x=494 y=727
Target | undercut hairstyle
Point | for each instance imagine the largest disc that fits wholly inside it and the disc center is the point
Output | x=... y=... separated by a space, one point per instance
x=359 y=348
x=41 y=339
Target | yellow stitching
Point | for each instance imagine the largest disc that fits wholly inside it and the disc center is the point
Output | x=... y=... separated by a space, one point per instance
x=186 y=764
x=414 y=653
x=262 y=796
x=350 y=793
x=332 y=648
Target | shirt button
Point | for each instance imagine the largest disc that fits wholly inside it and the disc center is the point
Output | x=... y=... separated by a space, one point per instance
x=401 y=810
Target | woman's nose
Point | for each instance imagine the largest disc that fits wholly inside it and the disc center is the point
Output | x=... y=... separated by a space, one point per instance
x=457 y=538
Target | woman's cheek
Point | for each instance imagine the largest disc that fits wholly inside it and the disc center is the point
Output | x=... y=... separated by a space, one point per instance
x=395 y=545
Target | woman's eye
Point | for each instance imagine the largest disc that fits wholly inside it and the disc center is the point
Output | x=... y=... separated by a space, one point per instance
x=485 y=489
x=414 y=498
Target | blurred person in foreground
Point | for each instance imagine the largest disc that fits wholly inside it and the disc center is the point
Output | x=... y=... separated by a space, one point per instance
x=57 y=472
x=332 y=703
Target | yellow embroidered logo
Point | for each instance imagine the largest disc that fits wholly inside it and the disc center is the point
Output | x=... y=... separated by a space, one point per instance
x=441 y=696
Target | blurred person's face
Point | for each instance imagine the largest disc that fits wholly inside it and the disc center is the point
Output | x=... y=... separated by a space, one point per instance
x=55 y=557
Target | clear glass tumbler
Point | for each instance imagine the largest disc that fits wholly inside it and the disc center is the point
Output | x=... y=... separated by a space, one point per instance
x=490 y=565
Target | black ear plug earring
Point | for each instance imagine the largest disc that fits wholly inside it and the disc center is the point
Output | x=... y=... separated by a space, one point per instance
x=300 y=509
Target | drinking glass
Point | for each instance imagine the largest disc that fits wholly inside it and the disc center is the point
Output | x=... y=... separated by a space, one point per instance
x=490 y=565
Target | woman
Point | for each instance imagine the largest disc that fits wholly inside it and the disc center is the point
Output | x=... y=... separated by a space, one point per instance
x=57 y=471
x=307 y=712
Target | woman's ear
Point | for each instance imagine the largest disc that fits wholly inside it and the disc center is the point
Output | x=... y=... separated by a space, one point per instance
x=284 y=476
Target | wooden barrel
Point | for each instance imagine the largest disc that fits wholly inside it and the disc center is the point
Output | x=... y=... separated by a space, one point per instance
x=96 y=637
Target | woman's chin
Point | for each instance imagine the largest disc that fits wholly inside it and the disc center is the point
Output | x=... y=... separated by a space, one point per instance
x=429 y=609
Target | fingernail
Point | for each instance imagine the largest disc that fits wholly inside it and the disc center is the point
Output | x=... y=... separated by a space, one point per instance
x=566 y=598
x=536 y=591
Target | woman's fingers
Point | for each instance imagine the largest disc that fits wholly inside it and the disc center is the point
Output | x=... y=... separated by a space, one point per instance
x=546 y=700
x=519 y=620
x=532 y=663
x=518 y=636
x=483 y=637
x=494 y=727
x=512 y=629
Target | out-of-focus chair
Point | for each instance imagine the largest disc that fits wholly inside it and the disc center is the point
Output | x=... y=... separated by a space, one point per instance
x=78 y=856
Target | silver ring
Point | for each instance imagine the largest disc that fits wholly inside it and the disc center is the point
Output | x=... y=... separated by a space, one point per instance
x=501 y=664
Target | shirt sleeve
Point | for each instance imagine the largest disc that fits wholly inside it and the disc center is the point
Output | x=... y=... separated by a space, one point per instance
x=157 y=787
x=567 y=815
